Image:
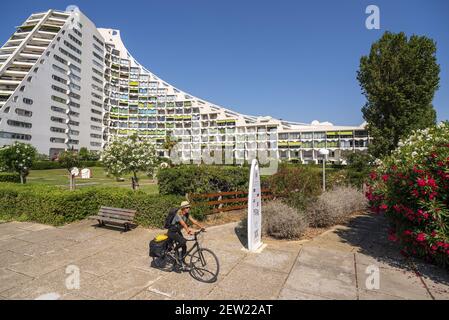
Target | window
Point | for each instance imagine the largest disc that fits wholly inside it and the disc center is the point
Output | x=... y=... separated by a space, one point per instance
x=77 y=32
x=15 y=98
x=96 y=128
x=74 y=104
x=74 y=77
x=57 y=119
x=96 y=136
x=71 y=141
x=59 y=79
x=96 y=103
x=22 y=88
x=74 y=95
x=98 y=48
x=59 y=89
x=12 y=135
x=95 y=144
x=74 y=86
x=23 y=112
x=98 y=64
x=57 y=129
x=97 y=72
x=29 y=78
x=96 y=111
x=58 y=109
x=75 y=40
x=96 y=95
x=71 y=46
x=68 y=54
x=35 y=70
x=97 y=80
x=15 y=123
x=74 y=132
x=74 y=123
x=98 y=41
x=96 y=55
x=59 y=99
x=73 y=67
x=27 y=101
x=95 y=119
x=57 y=140
x=58 y=58
x=74 y=114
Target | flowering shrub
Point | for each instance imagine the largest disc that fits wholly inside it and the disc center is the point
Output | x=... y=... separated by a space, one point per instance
x=18 y=158
x=411 y=187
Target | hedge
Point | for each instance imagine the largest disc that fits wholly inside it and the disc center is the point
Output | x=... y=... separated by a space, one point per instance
x=184 y=179
x=56 y=206
x=9 y=177
x=46 y=164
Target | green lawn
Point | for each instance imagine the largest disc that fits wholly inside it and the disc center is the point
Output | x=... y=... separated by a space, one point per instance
x=59 y=177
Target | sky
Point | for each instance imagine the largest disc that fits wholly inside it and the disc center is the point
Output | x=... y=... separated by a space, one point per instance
x=294 y=60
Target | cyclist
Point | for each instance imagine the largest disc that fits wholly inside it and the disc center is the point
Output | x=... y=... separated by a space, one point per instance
x=178 y=223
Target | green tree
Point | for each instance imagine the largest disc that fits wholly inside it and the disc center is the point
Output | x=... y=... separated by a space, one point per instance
x=84 y=154
x=130 y=154
x=399 y=79
x=69 y=160
x=18 y=157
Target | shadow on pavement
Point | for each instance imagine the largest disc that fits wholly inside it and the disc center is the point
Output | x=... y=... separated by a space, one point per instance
x=370 y=234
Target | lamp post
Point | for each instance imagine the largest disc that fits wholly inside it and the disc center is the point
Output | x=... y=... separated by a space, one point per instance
x=324 y=153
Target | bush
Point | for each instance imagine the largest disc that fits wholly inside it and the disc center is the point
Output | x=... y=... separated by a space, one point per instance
x=47 y=165
x=298 y=184
x=185 y=179
x=280 y=221
x=335 y=206
x=411 y=187
x=56 y=206
x=9 y=177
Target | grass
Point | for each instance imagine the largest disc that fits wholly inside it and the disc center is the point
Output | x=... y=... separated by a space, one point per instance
x=59 y=177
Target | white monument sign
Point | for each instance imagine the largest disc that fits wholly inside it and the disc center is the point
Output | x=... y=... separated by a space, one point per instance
x=86 y=173
x=254 y=208
x=75 y=171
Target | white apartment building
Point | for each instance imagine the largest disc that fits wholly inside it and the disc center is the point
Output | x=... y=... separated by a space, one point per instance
x=66 y=84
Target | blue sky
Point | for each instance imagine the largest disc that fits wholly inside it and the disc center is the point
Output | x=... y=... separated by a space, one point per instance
x=294 y=60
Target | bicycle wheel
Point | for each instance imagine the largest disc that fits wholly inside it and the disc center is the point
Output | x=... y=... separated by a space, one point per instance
x=204 y=266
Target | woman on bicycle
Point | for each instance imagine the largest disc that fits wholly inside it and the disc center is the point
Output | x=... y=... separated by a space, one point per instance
x=178 y=223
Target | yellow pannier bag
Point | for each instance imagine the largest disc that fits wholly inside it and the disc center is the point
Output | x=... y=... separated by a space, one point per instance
x=160 y=237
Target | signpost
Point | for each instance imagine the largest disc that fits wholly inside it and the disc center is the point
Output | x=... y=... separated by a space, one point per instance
x=254 y=209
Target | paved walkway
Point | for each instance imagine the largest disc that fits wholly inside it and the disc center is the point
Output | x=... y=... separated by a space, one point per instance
x=36 y=260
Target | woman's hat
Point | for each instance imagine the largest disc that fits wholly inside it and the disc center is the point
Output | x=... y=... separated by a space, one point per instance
x=185 y=204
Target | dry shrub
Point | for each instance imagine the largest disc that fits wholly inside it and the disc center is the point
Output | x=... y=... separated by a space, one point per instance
x=279 y=221
x=335 y=206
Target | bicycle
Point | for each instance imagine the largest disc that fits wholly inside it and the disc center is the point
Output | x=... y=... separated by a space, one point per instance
x=203 y=262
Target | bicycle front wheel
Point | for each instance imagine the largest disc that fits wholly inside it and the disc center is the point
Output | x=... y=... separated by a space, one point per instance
x=204 y=266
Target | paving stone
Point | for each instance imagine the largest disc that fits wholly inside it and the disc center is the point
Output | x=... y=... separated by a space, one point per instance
x=435 y=278
x=400 y=283
x=290 y=294
x=254 y=282
x=11 y=243
x=40 y=265
x=277 y=260
x=228 y=259
x=324 y=258
x=148 y=295
x=34 y=249
x=325 y=282
x=10 y=279
x=219 y=293
x=10 y=232
x=376 y=295
x=104 y=262
x=9 y=259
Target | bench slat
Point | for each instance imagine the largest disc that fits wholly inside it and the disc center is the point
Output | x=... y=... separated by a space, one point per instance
x=118 y=209
x=101 y=218
x=117 y=213
x=121 y=218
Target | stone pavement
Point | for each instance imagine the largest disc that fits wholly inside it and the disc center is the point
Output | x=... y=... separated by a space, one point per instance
x=36 y=262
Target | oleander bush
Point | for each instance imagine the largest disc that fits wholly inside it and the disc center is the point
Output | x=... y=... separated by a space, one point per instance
x=47 y=164
x=411 y=187
x=9 y=177
x=184 y=179
x=335 y=206
x=56 y=206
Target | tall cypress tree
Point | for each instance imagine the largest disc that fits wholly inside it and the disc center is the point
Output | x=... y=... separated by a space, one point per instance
x=399 y=78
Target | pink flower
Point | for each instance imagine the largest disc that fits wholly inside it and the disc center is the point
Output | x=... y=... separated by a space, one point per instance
x=421 y=182
x=421 y=237
x=383 y=206
x=385 y=177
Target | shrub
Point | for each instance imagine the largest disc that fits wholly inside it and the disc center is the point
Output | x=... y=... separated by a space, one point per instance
x=9 y=177
x=185 y=179
x=298 y=184
x=56 y=206
x=47 y=165
x=411 y=187
x=280 y=221
x=335 y=206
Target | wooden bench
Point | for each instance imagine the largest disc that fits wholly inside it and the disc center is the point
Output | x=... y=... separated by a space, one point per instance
x=115 y=216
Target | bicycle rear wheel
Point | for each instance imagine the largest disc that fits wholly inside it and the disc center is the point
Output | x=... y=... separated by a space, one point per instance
x=204 y=266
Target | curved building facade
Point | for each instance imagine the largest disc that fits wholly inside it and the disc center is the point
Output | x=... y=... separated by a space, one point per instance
x=66 y=84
